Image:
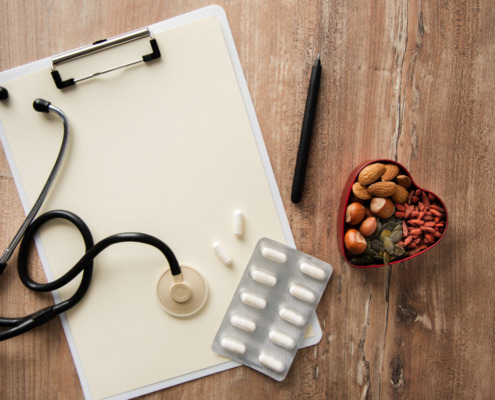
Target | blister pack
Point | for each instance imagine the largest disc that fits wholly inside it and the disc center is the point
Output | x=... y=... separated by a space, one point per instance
x=271 y=308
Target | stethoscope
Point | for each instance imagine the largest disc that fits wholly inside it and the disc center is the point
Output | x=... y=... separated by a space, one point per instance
x=181 y=290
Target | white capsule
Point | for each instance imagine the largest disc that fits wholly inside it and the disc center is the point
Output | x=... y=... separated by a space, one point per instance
x=238 y=223
x=274 y=255
x=253 y=300
x=313 y=271
x=302 y=293
x=271 y=362
x=282 y=339
x=222 y=253
x=242 y=323
x=263 y=277
x=291 y=316
x=233 y=345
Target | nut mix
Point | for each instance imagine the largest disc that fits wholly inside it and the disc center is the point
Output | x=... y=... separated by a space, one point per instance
x=388 y=219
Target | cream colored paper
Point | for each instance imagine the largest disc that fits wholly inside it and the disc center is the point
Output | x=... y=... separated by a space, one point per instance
x=165 y=148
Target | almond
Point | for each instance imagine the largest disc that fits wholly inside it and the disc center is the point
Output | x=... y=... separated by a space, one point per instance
x=401 y=195
x=360 y=191
x=404 y=180
x=382 y=189
x=391 y=171
x=371 y=173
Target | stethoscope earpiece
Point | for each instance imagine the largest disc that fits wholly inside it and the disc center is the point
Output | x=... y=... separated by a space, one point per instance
x=182 y=295
x=41 y=105
x=4 y=93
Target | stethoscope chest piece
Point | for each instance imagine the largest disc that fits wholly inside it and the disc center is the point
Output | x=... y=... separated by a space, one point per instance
x=182 y=295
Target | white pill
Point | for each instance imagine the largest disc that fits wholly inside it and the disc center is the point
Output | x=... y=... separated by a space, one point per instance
x=222 y=253
x=238 y=224
x=313 y=271
x=263 y=277
x=271 y=362
x=291 y=316
x=233 y=345
x=253 y=300
x=302 y=293
x=274 y=255
x=243 y=323
x=282 y=339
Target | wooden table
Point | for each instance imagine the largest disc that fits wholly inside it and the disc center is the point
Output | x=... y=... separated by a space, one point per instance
x=411 y=81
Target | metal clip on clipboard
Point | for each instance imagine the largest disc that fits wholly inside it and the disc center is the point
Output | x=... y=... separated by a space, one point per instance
x=101 y=46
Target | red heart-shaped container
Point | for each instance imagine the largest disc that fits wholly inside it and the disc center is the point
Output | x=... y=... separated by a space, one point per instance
x=423 y=219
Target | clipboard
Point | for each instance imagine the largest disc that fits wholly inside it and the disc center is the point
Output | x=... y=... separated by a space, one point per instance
x=170 y=146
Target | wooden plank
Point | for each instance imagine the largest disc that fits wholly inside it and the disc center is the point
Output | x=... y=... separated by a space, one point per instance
x=408 y=80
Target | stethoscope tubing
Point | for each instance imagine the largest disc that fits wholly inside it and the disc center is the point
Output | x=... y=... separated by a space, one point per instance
x=25 y=236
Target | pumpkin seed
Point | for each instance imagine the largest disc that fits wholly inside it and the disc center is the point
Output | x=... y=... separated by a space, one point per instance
x=378 y=230
x=370 y=252
x=389 y=225
x=385 y=233
x=398 y=251
x=361 y=260
x=386 y=258
x=395 y=236
x=377 y=245
x=389 y=245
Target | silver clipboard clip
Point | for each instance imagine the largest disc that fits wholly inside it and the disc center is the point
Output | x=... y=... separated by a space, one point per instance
x=101 y=46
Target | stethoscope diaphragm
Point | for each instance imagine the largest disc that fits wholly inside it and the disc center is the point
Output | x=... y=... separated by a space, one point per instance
x=182 y=295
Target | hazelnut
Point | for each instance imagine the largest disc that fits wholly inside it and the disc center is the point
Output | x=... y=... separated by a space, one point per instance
x=368 y=226
x=368 y=212
x=354 y=213
x=382 y=207
x=355 y=242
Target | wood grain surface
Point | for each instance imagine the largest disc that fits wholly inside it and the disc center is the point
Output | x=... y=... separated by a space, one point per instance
x=408 y=80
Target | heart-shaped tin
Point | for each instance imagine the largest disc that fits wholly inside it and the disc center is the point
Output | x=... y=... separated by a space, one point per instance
x=385 y=218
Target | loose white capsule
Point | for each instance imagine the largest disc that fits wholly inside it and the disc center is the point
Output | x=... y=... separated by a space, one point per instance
x=313 y=271
x=253 y=300
x=271 y=362
x=233 y=345
x=302 y=293
x=243 y=323
x=291 y=316
x=282 y=339
x=274 y=255
x=238 y=224
x=263 y=277
x=222 y=253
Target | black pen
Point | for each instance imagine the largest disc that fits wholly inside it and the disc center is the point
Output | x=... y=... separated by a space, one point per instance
x=306 y=132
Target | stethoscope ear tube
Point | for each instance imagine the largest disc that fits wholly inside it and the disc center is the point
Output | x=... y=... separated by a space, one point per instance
x=40 y=105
